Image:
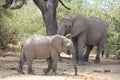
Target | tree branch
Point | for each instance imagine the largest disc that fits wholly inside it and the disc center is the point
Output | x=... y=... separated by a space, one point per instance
x=8 y=4
x=19 y=6
x=64 y=5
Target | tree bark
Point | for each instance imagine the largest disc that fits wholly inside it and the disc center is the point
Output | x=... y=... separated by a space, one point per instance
x=48 y=9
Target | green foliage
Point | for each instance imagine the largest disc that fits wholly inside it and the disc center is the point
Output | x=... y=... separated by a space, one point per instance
x=15 y=25
x=6 y=33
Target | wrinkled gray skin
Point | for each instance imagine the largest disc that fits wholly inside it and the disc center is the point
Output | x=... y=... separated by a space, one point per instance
x=45 y=47
x=84 y=31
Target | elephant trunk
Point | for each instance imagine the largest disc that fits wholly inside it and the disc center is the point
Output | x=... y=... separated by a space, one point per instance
x=60 y=31
x=72 y=51
x=74 y=63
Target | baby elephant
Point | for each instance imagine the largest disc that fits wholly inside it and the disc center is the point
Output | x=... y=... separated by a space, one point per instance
x=45 y=47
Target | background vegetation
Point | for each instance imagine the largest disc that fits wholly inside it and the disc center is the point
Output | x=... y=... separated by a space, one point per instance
x=17 y=24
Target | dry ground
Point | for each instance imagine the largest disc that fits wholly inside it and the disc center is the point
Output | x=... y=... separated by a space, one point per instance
x=108 y=69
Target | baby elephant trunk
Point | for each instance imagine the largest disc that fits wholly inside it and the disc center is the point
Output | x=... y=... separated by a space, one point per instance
x=72 y=51
x=74 y=63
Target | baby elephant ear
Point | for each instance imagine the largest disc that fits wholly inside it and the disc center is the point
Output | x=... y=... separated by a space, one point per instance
x=57 y=42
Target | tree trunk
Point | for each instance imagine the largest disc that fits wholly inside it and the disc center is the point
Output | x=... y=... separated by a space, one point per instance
x=48 y=9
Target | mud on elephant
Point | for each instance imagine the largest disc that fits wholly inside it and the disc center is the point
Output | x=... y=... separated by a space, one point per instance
x=84 y=31
x=45 y=47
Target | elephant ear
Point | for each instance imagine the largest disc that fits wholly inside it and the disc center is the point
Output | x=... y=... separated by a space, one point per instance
x=57 y=42
x=79 y=25
x=64 y=26
x=76 y=30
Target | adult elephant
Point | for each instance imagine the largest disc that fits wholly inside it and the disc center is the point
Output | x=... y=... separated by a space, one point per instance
x=84 y=31
x=48 y=9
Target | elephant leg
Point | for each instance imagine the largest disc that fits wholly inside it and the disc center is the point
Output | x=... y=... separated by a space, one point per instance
x=81 y=43
x=30 y=71
x=99 y=49
x=54 y=62
x=74 y=40
x=54 y=67
x=49 y=61
x=86 y=56
x=21 y=63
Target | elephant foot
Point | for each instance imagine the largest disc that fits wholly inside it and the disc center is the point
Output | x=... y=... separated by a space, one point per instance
x=45 y=71
x=53 y=73
x=97 y=60
x=75 y=74
x=20 y=72
x=80 y=63
x=31 y=72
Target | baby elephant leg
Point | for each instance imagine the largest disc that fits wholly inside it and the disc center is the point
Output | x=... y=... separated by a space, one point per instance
x=54 y=64
x=54 y=67
x=20 y=69
x=30 y=71
x=49 y=61
x=21 y=63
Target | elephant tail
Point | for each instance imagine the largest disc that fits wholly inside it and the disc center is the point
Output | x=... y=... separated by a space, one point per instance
x=22 y=55
x=102 y=53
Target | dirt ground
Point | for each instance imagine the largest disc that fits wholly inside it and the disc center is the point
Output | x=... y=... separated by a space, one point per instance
x=108 y=69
